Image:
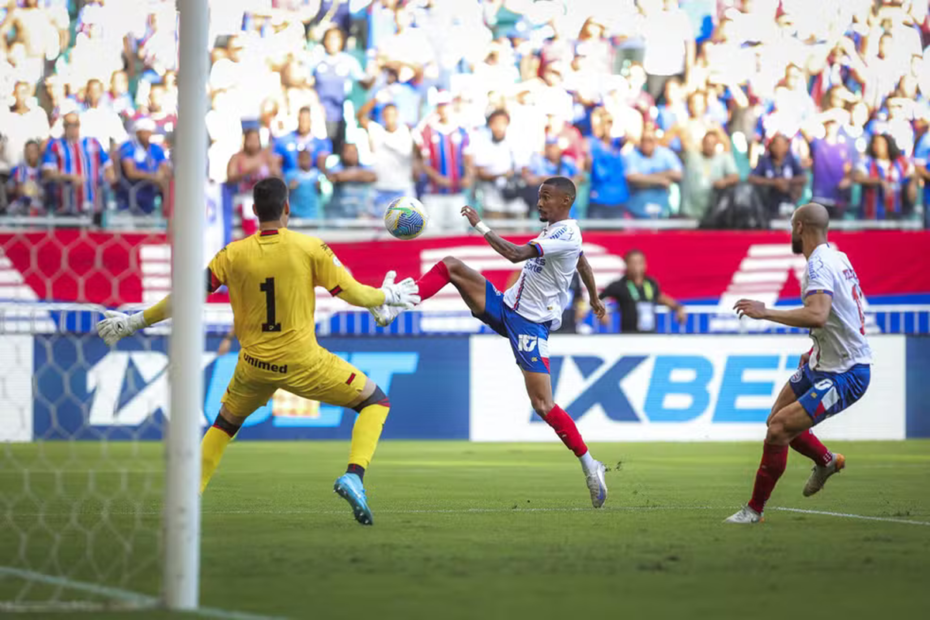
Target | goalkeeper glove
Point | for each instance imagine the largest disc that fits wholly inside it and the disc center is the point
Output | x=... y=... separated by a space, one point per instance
x=118 y=325
x=403 y=293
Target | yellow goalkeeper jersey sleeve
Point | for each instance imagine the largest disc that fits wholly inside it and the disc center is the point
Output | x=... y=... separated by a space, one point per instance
x=271 y=277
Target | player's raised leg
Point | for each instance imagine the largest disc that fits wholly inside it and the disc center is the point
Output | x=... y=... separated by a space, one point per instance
x=471 y=285
x=539 y=389
x=783 y=426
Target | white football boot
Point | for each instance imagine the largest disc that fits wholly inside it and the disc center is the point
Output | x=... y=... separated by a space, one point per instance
x=820 y=473
x=746 y=515
x=597 y=485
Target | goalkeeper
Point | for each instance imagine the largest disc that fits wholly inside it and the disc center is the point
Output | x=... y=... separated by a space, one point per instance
x=271 y=277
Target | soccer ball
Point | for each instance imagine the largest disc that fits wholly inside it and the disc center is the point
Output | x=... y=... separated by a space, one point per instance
x=405 y=218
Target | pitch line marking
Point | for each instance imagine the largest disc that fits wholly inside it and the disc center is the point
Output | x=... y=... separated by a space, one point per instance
x=141 y=601
x=852 y=516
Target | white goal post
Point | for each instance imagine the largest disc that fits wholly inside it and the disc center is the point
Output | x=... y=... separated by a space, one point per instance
x=182 y=440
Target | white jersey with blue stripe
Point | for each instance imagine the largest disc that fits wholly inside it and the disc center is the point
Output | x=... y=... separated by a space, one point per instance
x=841 y=343
x=542 y=290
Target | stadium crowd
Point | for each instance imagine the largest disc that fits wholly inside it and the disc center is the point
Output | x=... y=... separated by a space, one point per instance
x=657 y=108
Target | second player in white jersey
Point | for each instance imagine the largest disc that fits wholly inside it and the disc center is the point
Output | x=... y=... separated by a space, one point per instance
x=841 y=343
x=542 y=290
x=831 y=378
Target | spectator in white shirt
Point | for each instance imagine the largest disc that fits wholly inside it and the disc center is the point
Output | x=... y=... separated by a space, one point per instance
x=391 y=146
x=498 y=166
x=22 y=122
x=99 y=120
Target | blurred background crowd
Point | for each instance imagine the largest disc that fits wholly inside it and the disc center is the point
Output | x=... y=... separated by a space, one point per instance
x=724 y=112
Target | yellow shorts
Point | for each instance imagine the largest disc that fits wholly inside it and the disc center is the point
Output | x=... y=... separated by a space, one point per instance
x=326 y=378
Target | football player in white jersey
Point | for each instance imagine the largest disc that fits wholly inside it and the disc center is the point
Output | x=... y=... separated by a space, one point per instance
x=531 y=308
x=832 y=376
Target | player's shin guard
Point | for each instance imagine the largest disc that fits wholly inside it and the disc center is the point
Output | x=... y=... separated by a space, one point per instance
x=565 y=428
x=811 y=447
x=433 y=280
x=367 y=430
x=774 y=461
x=212 y=447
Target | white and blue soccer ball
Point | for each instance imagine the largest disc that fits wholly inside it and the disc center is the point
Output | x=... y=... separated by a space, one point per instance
x=405 y=218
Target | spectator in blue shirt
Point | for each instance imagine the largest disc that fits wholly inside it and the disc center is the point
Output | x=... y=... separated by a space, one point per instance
x=779 y=177
x=609 y=191
x=303 y=183
x=651 y=169
x=352 y=186
x=25 y=191
x=333 y=76
x=144 y=167
x=287 y=147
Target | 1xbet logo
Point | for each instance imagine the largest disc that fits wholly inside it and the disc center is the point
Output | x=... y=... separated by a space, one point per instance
x=670 y=388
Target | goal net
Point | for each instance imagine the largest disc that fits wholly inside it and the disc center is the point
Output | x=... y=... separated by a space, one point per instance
x=81 y=479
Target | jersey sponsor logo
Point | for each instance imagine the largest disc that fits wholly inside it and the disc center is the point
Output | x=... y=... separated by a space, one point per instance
x=263 y=365
x=559 y=233
x=526 y=343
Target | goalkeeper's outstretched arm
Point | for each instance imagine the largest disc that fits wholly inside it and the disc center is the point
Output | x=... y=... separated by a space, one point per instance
x=355 y=293
x=118 y=325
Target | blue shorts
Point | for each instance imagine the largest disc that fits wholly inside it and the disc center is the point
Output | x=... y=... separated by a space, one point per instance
x=529 y=340
x=824 y=394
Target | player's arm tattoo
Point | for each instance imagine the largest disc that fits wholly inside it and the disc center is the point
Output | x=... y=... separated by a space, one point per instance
x=511 y=251
x=813 y=314
x=587 y=276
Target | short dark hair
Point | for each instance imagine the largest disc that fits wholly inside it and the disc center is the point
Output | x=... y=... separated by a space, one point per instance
x=496 y=113
x=631 y=253
x=304 y=110
x=30 y=143
x=563 y=184
x=270 y=196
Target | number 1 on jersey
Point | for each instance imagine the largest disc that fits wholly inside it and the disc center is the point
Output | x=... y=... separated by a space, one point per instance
x=267 y=287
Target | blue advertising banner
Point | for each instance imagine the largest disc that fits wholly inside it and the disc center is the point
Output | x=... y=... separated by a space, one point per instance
x=86 y=390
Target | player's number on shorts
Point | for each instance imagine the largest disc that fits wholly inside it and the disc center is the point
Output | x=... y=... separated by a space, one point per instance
x=267 y=287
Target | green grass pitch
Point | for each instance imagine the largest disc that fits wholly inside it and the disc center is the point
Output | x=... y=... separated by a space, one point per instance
x=495 y=531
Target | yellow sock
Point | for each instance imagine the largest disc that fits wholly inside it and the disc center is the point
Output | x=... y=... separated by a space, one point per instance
x=365 y=434
x=211 y=451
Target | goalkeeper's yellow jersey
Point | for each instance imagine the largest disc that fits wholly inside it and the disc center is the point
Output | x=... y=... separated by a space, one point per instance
x=271 y=277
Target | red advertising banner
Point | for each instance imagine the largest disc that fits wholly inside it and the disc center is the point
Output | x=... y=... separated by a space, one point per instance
x=127 y=268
